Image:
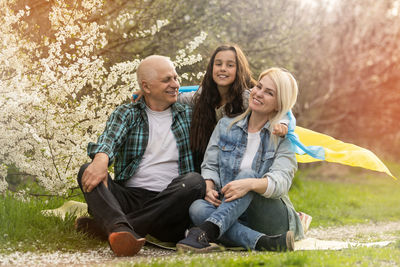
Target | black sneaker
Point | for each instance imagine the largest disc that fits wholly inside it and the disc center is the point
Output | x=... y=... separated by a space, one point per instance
x=196 y=241
x=283 y=242
x=124 y=242
x=90 y=227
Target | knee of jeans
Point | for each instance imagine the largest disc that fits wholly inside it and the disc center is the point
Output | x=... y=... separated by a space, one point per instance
x=194 y=182
x=80 y=173
x=249 y=173
x=199 y=212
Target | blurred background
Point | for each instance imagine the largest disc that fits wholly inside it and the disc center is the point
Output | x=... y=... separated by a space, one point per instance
x=344 y=54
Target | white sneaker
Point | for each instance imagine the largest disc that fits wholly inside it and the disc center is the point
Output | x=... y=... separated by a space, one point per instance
x=305 y=220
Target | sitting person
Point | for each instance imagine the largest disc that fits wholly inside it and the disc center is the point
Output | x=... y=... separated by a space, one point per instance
x=248 y=173
x=154 y=183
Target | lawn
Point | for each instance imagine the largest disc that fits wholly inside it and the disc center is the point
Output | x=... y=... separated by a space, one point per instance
x=333 y=195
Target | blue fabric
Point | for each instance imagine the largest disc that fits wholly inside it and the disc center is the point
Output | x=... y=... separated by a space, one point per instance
x=188 y=88
x=297 y=147
x=182 y=89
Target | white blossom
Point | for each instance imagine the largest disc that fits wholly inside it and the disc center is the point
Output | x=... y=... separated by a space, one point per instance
x=52 y=107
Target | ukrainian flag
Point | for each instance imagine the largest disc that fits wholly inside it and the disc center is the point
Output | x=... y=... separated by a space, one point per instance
x=312 y=146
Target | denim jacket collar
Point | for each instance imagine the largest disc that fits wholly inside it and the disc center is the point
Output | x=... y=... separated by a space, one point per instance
x=244 y=124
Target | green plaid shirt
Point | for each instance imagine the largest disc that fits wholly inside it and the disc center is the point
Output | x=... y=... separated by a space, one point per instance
x=126 y=136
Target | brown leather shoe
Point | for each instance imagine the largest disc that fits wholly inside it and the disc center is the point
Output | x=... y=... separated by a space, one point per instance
x=124 y=242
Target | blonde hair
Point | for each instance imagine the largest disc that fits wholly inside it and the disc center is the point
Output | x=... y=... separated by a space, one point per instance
x=286 y=96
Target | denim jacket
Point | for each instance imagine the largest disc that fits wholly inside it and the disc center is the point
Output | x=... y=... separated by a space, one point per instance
x=225 y=152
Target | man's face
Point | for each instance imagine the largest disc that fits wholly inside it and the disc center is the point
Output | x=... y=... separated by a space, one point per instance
x=161 y=90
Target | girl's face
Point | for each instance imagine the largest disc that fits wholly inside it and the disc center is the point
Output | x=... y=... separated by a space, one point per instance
x=224 y=68
x=263 y=97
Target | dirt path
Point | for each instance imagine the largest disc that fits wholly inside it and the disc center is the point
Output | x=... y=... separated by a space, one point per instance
x=361 y=232
x=357 y=233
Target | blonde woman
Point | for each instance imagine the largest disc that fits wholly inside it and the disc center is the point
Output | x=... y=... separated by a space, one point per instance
x=248 y=173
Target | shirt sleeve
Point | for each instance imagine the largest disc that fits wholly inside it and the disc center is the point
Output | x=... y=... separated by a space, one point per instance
x=282 y=170
x=285 y=120
x=188 y=97
x=210 y=165
x=270 y=188
x=246 y=95
x=113 y=136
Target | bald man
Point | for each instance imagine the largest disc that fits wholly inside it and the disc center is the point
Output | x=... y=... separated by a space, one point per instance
x=154 y=185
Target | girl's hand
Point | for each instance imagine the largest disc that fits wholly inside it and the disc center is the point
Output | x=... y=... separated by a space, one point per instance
x=280 y=129
x=136 y=96
x=237 y=189
x=211 y=193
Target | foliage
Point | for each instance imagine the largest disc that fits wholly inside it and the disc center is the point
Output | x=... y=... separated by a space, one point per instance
x=349 y=73
x=57 y=89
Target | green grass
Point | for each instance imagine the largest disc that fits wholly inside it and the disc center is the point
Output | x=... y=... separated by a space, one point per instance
x=389 y=256
x=332 y=195
x=348 y=196
x=24 y=228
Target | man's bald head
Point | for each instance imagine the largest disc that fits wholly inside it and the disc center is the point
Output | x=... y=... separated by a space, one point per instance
x=149 y=67
x=158 y=81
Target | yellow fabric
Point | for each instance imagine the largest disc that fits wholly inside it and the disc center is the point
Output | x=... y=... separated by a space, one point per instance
x=339 y=152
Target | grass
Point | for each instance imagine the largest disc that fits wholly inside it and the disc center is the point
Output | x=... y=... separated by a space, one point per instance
x=332 y=195
x=348 y=196
x=389 y=256
x=24 y=228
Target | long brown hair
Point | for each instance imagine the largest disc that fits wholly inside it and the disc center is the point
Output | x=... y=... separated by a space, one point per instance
x=204 y=120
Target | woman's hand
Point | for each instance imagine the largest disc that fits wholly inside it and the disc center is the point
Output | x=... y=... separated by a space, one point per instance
x=211 y=193
x=236 y=189
x=280 y=129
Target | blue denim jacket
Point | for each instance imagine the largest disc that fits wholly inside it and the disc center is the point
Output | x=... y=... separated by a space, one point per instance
x=225 y=152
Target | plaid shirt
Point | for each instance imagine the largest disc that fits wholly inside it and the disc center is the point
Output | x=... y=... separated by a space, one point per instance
x=126 y=136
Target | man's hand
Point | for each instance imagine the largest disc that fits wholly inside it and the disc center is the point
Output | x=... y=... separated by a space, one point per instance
x=280 y=129
x=95 y=173
x=211 y=193
x=236 y=189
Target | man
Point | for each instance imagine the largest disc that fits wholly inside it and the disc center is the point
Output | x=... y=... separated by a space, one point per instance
x=154 y=183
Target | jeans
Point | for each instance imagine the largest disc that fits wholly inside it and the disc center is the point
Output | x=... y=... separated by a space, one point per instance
x=164 y=215
x=243 y=221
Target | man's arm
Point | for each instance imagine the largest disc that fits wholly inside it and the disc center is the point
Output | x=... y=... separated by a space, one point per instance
x=95 y=173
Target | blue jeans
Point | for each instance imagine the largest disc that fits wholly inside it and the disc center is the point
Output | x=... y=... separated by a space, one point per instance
x=243 y=221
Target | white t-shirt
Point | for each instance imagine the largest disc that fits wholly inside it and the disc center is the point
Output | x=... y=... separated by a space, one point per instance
x=159 y=165
x=253 y=142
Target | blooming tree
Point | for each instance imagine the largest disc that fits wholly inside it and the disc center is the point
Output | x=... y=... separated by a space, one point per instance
x=56 y=92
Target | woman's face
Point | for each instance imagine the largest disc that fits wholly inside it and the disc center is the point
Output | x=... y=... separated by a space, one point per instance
x=263 y=97
x=224 y=68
